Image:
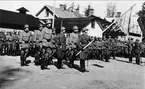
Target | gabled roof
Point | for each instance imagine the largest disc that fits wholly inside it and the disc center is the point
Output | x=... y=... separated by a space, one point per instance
x=68 y=23
x=61 y=13
x=17 y=20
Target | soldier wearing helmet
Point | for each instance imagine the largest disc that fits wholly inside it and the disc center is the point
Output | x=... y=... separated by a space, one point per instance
x=37 y=44
x=130 y=49
x=47 y=45
x=2 y=42
x=61 y=47
x=24 y=40
x=137 y=50
x=15 y=42
x=82 y=41
x=72 y=45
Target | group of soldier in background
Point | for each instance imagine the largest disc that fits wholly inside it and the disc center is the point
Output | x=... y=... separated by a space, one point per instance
x=45 y=45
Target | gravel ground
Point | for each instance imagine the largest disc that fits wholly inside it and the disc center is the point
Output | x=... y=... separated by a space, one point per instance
x=118 y=74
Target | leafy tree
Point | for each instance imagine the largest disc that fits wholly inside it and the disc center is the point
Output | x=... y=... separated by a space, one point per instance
x=141 y=13
x=111 y=10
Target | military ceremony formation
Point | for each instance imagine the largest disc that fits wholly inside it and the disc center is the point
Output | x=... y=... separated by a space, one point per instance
x=45 y=45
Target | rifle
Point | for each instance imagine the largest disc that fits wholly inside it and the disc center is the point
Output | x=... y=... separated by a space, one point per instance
x=85 y=47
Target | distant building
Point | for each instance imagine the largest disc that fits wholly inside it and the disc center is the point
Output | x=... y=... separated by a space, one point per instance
x=15 y=21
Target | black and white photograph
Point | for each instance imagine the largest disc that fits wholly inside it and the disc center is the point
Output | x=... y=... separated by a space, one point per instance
x=72 y=44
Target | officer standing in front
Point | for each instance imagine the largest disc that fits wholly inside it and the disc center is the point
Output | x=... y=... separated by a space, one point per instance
x=24 y=40
x=82 y=41
x=61 y=47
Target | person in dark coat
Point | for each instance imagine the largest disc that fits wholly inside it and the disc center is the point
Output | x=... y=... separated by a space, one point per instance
x=137 y=51
x=82 y=41
x=130 y=49
x=61 y=47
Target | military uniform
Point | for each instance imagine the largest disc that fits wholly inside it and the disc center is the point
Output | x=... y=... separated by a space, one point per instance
x=47 y=45
x=82 y=41
x=61 y=47
x=2 y=41
x=38 y=46
x=9 y=40
x=137 y=51
x=15 y=43
x=24 y=40
x=130 y=49
x=72 y=45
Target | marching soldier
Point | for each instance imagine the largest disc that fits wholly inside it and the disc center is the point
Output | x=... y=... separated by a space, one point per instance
x=47 y=45
x=61 y=47
x=130 y=49
x=83 y=40
x=24 y=40
x=37 y=44
x=72 y=45
x=137 y=51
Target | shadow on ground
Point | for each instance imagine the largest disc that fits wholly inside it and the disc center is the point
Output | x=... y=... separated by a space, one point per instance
x=97 y=65
x=9 y=75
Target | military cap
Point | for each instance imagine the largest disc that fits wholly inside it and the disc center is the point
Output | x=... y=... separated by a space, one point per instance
x=48 y=21
x=129 y=38
x=84 y=29
x=75 y=27
x=40 y=25
x=26 y=26
x=53 y=29
x=63 y=28
x=137 y=40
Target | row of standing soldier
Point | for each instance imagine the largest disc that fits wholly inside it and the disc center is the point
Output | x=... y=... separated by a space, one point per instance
x=47 y=45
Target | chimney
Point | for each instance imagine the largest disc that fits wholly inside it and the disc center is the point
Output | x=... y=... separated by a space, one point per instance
x=78 y=10
x=62 y=7
x=91 y=12
x=22 y=10
x=118 y=14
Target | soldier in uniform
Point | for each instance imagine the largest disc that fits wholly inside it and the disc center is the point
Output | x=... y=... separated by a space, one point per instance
x=45 y=39
x=24 y=41
x=53 y=40
x=130 y=49
x=37 y=44
x=2 y=40
x=9 y=40
x=137 y=51
x=82 y=41
x=61 y=47
x=72 y=45
x=14 y=42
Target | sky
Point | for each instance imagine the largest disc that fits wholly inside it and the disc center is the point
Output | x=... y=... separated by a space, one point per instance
x=98 y=6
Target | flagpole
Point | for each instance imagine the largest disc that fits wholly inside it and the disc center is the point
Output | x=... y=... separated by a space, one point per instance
x=118 y=18
x=53 y=14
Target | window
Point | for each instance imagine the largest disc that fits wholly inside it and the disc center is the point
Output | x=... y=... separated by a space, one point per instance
x=93 y=24
x=47 y=13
